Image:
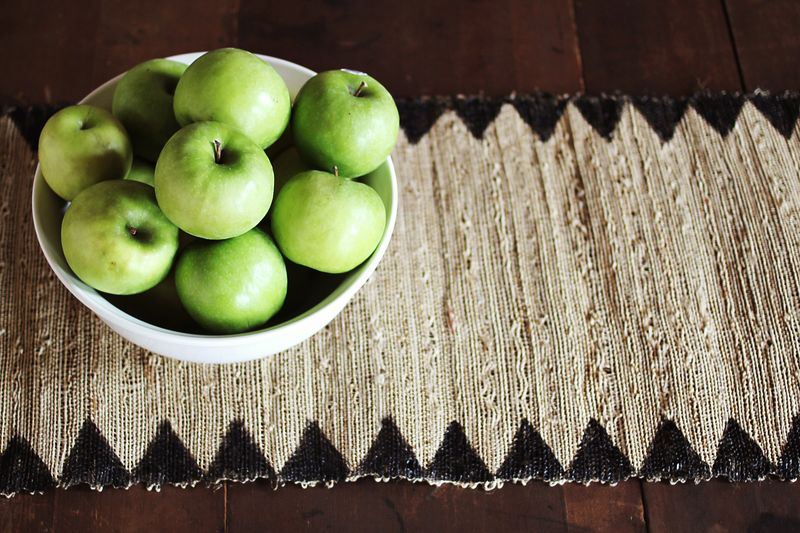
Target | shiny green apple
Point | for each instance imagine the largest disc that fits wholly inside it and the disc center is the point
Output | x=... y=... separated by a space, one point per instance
x=327 y=223
x=82 y=145
x=233 y=285
x=212 y=181
x=237 y=88
x=116 y=239
x=160 y=305
x=143 y=103
x=142 y=171
x=346 y=121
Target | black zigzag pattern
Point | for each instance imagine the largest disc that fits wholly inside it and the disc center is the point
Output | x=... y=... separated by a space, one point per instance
x=781 y=110
x=239 y=458
x=662 y=114
x=530 y=457
x=542 y=112
x=166 y=460
x=456 y=460
x=477 y=112
x=315 y=459
x=670 y=456
x=602 y=113
x=789 y=462
x=418 y=116
x=598 y=458
x=739 y=457
x=720 y=111
x=21 y=469
x=93 y=462
x=390 y=456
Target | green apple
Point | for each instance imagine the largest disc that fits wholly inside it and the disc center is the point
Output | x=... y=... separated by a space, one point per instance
x=142 y=171
x=160 y=305
x=327 y=223
x=82 y=145
x=212 y=181
x=233 y=285
x=237 y=88
x=116 y=239
x=143 y=103
x=345 y=121
x=286 y=166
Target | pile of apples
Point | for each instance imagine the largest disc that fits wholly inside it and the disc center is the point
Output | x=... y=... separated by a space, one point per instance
x=175 y=185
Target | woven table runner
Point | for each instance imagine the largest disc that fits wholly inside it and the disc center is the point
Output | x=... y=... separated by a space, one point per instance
x=577 y=289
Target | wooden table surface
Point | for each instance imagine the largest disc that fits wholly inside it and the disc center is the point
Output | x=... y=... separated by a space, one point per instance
x=58 y=51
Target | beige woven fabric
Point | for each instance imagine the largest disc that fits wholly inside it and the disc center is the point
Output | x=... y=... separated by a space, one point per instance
x=627 y=281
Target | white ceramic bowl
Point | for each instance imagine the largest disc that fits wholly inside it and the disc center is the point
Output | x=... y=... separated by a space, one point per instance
x=48 y=211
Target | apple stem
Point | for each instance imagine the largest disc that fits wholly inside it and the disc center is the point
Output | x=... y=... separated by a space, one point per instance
x=336 y=171
x=361 y=87
x=133 y=231
x=217 y=151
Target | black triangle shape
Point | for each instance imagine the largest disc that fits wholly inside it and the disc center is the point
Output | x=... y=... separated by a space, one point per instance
x=598 y=458
x=739 y=457
x=477 y=112
x=781 y=110
x=602 y=113
x=390 y=455
x=789 y=462
x=720 y=111
x=418 y=116
x=315 y=459
x=541 y=112
x=662 y=114
x=456 y=460
x=166 y=460
x=30 y=120
x=239 y=457
x=670 y=456
x=21 y=470
x=92 y=461
x=530 y=457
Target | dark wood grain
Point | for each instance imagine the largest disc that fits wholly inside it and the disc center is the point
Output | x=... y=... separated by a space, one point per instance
x=131 y=32
x=767 y=42
x=138 y=510
x=414 y=47
x=401 y=506
x=57 y=51
x=49 y=50
x=720 y=506
x=61 y=51
x=670 y=47
x=27 y=512
x=421 y=47
x=604 y=508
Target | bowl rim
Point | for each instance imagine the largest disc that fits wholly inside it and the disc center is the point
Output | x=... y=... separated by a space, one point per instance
x=117 y=318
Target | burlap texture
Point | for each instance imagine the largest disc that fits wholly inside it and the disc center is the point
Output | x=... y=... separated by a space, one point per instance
x=583 y=289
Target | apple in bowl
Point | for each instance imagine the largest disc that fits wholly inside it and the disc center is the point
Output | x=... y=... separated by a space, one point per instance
x=282 y=331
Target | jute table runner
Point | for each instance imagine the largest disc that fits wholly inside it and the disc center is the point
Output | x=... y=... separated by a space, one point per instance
x=577 y=289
